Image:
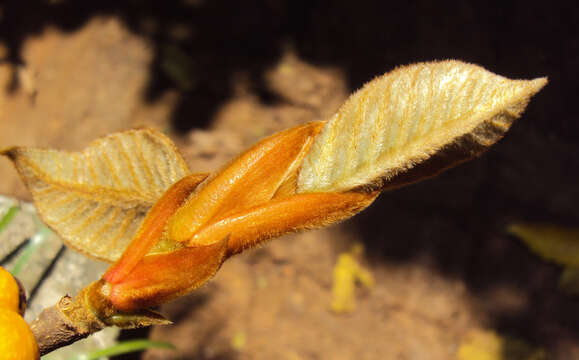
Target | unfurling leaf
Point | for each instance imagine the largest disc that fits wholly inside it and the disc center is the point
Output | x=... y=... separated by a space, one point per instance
x=148 y=237
x=277 y=217
x=551 y=242
x=384 y=135
x=402 y=127
x=162 y=277
x=96 y=199
x=251 y=179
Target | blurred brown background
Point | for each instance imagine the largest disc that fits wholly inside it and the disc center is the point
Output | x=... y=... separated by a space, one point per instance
x=218 y=75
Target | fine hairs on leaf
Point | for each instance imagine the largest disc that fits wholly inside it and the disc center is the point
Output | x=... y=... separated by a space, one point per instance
x=447 y=110
x=129 y=198
x=97 y=199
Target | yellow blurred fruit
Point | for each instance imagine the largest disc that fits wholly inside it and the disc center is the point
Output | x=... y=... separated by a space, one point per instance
x=9 y=292
x=16 y=339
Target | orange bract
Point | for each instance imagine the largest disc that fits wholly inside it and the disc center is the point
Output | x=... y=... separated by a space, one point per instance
x=253 y=178
x=280 y=216
x=160 y=278
x=153 y=226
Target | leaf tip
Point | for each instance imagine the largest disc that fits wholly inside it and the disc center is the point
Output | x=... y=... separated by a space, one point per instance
x=138 y=319
x=514 y=229
x=537 y=84
x=9 y=152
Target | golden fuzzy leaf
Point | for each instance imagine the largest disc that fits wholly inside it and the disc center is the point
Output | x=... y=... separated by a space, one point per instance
x=413 y=123
x=551 y=242
x=96 y=199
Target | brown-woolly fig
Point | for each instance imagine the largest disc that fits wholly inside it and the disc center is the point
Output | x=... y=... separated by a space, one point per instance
x=129 y=198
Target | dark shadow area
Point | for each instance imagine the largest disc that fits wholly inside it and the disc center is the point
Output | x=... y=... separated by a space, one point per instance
x=199 y=46
x=186 y=308
x=128 y=335
x=455 y=222
x=181 y=309
x=225 y=354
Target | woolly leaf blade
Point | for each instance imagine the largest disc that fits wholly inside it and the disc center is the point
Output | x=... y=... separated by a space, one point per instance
x=398 y=121
x=96 y=199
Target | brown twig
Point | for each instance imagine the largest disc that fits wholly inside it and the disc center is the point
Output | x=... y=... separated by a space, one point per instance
x=64 y=323
x=73 y=319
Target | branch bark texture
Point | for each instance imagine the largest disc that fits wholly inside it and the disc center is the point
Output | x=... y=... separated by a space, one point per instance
x=63 y=324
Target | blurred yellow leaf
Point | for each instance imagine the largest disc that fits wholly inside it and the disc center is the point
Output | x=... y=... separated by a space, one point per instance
x=239 y=340
x=96 y=199
x=569 y=280
x=447 y=111
x=487 y=345
x=347 y=273
x=551 y=242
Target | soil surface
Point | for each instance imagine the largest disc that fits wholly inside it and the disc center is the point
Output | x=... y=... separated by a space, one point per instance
x=217 y=77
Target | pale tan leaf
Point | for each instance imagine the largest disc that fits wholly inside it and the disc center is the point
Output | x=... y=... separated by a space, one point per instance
x=96 y=199
x=425 y=117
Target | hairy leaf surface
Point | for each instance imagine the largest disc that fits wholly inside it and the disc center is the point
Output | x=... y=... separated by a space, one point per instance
x=96 y=199
x=444 y=112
